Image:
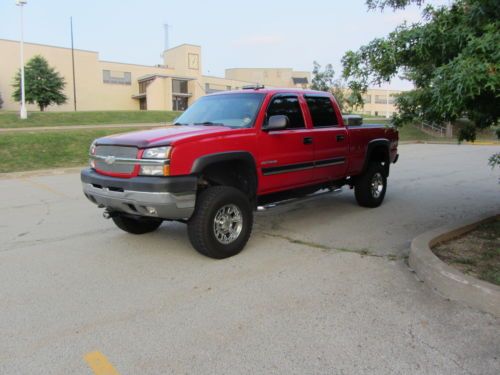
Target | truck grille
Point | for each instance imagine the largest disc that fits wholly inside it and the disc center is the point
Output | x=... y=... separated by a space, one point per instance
x=119 y=152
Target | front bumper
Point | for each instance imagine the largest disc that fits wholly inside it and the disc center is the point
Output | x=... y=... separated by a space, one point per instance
x=164 y=197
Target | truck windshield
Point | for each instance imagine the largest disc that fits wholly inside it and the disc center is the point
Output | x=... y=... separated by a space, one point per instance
x=234 y=110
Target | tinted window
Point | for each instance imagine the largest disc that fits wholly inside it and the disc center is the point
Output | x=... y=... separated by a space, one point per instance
x=322 y=111
x=288 y=106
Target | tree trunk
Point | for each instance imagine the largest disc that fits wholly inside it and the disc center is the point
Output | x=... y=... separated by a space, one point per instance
x=41 y=107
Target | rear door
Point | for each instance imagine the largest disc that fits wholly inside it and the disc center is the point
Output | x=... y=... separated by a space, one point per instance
x=286 y=156
x=331 y=143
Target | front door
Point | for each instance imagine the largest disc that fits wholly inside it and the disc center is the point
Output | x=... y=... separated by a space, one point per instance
x=286 y=156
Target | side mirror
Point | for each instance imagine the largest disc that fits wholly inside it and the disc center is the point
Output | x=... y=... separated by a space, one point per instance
x=278 y=122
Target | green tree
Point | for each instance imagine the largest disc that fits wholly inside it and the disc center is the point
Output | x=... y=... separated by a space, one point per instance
x=324 y=80
x=451 y=56
x=43 y=85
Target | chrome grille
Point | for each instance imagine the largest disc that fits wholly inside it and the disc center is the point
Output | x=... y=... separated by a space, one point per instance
x=118 y=152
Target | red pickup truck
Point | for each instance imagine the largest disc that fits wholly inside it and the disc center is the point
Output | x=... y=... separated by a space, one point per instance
x=231 y=152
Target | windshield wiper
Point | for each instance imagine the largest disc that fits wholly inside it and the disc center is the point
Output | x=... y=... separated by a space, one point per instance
x=179 y=123
x=209 y=123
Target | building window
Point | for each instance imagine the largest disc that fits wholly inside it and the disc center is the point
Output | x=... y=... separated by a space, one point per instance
x=143 y=85
x=116 y=77
x=211 y=88
x=367 y=99
x=383 y=99
x=179 y=103
x=179 y=86
x=143 y=104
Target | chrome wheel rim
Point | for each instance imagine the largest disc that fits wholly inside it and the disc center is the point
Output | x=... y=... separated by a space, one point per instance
x=228 y=223
x=377 y=185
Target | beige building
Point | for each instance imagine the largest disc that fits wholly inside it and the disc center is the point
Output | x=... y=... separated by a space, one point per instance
x=107 y=85
x=379 y=102
x=173 y=85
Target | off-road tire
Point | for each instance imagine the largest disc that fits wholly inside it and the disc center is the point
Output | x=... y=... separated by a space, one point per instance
x=136 y=226
x=364 y=189
x=201 y=225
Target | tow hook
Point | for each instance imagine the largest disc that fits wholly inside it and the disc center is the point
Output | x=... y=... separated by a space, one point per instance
x=108 y=214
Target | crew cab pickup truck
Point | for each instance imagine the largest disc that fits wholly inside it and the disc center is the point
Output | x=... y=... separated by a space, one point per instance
x=229 y=152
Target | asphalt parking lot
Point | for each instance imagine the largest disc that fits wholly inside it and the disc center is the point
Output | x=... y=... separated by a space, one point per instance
x=322 y=287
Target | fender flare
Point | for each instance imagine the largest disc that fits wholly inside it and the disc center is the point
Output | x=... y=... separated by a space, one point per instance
x=374 y=143
x=206 y=160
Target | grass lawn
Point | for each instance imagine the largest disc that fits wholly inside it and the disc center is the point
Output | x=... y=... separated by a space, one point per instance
x=412 y=133
x=44 y=150
x=52 y=149
x=10 y=119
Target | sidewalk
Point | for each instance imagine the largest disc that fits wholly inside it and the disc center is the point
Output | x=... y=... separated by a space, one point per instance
x=81 y=127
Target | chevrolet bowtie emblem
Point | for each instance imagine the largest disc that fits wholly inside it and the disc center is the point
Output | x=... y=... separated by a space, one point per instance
x=109 y=160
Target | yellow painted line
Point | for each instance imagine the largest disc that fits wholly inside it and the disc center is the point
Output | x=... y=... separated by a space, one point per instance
x=99 y=364
x=483 y=143
x=42 y=186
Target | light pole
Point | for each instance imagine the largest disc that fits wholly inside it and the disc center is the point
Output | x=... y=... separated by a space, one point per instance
x=23 y=113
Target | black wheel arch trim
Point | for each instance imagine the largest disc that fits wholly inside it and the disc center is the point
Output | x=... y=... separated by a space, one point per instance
x=372 y=145
x=206 y=160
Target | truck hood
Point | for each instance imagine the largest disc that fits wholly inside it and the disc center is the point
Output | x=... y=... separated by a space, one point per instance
x=161 y=136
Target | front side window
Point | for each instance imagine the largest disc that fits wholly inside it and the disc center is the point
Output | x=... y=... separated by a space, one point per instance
x=290 y=107
x=322 y=112
x=233 y=110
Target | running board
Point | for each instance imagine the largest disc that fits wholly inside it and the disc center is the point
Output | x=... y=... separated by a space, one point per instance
x=268 y=206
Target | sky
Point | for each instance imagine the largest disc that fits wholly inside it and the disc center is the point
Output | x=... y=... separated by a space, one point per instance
x=233 y=34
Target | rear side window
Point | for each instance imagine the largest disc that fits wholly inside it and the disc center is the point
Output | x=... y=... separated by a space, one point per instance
x=288 y=106
x=322 y=112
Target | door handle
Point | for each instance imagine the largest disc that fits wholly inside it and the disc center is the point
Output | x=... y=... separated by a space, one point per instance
x=340 y=138
x=308 y=140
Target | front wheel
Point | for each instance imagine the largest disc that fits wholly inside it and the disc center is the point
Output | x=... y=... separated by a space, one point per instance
x=221 y=223
x=370 y=187
x=136 y=226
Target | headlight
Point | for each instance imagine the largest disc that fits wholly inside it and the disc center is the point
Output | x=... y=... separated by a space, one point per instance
x=157 y=153
x=92 y=152
x=92 y=148
x=154 y=170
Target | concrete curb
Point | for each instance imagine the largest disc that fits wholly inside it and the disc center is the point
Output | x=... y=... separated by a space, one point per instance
x=435 y=142
x=40 y=172
x=447 y=280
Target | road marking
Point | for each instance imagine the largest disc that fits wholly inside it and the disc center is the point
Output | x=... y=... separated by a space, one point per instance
x=42 y=186
x=99 y=364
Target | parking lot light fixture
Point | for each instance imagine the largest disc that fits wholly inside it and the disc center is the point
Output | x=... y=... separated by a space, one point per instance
x=23 y=114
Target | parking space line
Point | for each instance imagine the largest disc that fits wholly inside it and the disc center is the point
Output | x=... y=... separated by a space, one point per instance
x=42 y=186
x=99 y=364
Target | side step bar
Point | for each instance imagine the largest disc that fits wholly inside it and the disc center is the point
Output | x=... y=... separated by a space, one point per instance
x=297 y=199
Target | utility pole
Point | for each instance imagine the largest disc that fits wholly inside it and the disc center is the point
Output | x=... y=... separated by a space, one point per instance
x=166 y=26
x=23 y=113
x=73 y=62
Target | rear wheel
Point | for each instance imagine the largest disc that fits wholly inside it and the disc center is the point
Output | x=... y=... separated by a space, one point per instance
x=138 y=225
x=370 y=187
x=221 y=223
